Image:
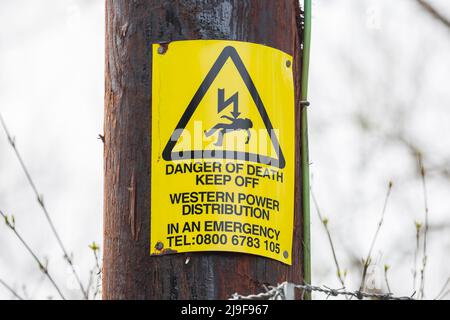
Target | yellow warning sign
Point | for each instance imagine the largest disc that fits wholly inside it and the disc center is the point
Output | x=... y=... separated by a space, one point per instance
x=223 y=149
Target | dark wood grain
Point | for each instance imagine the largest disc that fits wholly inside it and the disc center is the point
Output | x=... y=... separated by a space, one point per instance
x=131 y=27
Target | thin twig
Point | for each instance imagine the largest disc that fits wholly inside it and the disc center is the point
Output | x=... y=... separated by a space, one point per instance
x=442 y=292
x=37 y=286
x=324 y=222
x=434 y=12
x=99 y=279
x=95 y=270
x=444 y=295
x=425 y=234
x=91 y=278
x=25 y=292
x=416 y=253
x=367 y=261
x=41 y=203
x=13 y=292
x=386 y=280
x=42 y=267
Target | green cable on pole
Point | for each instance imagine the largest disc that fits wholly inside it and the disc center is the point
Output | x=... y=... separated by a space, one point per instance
x=304 y=145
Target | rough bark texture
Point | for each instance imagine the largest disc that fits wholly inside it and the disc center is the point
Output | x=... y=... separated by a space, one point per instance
x=131 y=27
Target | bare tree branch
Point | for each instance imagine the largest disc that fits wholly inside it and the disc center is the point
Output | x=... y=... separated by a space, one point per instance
x=434 y=12
x=442 y=293
x=324 y=222
x=386 y=279
x=425 y=235
x=40 y=200
x=368 y=259
x=10 y=289
x=416 y=253
x=11 y=224
x=95 y=271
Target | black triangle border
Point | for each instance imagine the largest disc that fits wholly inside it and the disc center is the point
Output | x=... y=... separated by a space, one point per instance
x=228 y=52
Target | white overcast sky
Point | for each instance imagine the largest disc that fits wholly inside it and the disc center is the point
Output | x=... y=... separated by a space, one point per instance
x=384 y=60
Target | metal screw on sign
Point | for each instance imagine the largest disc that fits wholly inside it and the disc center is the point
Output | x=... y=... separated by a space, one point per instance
x=159 y=246
x=162 y=49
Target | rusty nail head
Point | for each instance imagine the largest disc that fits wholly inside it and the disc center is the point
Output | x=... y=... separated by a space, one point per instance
x=288 y=63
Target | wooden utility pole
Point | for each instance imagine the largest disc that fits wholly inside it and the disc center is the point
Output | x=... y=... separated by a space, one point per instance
x=129 y=271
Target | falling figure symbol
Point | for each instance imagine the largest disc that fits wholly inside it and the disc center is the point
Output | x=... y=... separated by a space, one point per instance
x=235 y=125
